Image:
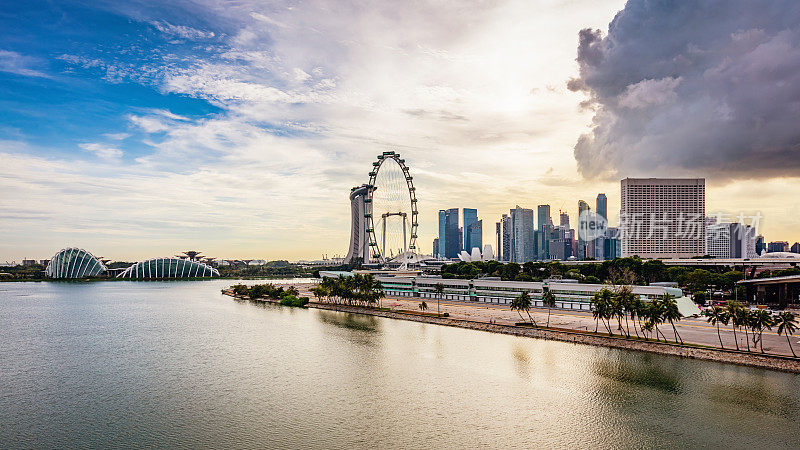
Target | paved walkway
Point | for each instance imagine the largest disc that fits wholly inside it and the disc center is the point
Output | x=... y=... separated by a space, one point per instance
x=692 y=330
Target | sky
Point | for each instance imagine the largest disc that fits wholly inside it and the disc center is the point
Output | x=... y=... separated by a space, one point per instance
x=136 y=129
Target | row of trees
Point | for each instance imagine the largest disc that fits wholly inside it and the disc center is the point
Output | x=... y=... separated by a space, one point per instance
x=622 y=304
x=358 y=289
x=288 y=297
x=640 y=272
x=268 y=290
x=754 y=321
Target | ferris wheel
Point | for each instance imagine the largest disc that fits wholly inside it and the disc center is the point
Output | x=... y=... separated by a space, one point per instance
x=390 y=209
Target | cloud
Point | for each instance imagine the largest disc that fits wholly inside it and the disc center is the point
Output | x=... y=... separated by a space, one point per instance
x=304 y=110
x=675 y=92
x=13 y=62
x=181 y=31
x=649 y=93
x=267 y=19
x=101 y=150
x=117 y=136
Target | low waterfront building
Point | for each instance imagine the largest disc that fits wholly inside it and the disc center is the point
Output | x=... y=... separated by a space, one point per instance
x=776 y=291
x=569 y=294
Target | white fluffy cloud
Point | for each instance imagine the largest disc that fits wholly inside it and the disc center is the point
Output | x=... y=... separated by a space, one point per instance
x=102 y=150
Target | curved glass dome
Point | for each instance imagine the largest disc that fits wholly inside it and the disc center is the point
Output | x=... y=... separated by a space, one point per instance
x=168 y=268
x=74 y=263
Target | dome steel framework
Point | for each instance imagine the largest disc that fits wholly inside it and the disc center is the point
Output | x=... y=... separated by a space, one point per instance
x=396 y=196
x=158 y=268
x=74 y=263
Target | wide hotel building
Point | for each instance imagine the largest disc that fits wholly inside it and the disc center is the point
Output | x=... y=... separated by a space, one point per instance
x=663 y=217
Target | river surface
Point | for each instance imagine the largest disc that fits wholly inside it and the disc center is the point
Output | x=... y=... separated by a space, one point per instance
x=177 y=364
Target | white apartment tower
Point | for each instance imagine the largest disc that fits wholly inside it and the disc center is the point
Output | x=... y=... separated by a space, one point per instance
x=663 y=217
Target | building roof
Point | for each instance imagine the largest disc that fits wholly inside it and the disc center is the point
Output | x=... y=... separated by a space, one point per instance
x=772 y=280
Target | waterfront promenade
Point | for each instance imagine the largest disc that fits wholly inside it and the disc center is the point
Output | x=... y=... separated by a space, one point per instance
x=693 y=330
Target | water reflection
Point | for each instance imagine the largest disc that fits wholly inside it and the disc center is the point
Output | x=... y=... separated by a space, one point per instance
x=522 y=361
x=349 y=321
x=758 y=397
x=637 y=370
x=179 y=365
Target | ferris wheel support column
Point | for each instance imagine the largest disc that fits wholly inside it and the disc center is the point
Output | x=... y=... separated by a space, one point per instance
x=405 y=243
x=383 y=250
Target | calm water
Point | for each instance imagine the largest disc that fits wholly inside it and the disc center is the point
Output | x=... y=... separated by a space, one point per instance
x=176 y=364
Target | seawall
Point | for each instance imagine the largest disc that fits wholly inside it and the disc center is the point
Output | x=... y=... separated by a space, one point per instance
x=764 y=361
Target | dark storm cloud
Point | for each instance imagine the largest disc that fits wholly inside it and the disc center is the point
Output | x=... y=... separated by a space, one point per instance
x=708 y=88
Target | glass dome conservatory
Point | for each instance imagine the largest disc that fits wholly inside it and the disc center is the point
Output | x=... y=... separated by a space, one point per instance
x=168 y=268
x=74 y=263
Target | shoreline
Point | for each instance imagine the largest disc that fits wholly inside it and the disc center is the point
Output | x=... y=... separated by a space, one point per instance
x=741 y=358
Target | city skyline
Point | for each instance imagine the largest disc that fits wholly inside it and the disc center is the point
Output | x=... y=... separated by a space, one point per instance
x=135 y=129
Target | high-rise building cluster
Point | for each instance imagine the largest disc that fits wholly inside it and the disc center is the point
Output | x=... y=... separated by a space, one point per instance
x=520 y=238
x=659 y=218
x=454 y=237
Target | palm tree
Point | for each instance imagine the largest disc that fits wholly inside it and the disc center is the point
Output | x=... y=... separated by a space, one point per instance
x=638 y=309
x=601 y=309
x=655 y=315
x=761 y=320
x=516 y=305
x=423 y=306
x=624 y=300
x=523 y=303
x=786 y=326
x=743 y=315
x=607 y=301
x=616 y=310
x=732 y=310
x=439 y=290
x=596 y=305
x=671 y=312
x=550 y=300
x=717 y=315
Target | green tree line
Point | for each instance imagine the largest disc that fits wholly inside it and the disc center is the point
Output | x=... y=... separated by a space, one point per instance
x=358 y=289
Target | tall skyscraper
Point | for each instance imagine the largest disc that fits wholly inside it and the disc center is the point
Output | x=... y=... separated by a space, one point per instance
x=601 y=206
x=545 y=227
x=436 y=247
x=582 y=225
x=563 y=219
x=452 y=233
x=522 y=237
x=760 y=244
x=663 y=218
x=359 y=238
x=718 y=240
x=508 y=231
x=560 y=243
x=473 y=236
x=730 y=240
x=612 y=245
x=498 y=240
x=470 y=218
x=442 y=231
